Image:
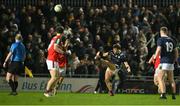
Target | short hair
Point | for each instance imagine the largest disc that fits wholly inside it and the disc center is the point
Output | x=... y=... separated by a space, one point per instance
x=59 y=29
x=18 y=37
x=164 y=29
x=117 y=46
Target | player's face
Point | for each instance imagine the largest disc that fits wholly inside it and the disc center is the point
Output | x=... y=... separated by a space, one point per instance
x=162 y=33
x=115 y=50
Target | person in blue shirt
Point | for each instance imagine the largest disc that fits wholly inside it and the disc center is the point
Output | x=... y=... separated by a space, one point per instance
x=168 y=52
x=15 y=62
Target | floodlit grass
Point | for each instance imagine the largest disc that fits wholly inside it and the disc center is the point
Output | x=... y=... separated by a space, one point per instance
x=37 y=98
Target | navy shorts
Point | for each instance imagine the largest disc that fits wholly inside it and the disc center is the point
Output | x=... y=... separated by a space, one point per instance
x=16 y=68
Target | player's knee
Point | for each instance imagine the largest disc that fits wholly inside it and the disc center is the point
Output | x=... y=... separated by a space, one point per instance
x=8 y=79
x=171 y=81
x=107 y=80
x=54 y=78
x=156 y=83
x=160 y=78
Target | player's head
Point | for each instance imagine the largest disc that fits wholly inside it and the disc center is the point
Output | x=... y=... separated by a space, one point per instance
x=164 y=31
x=59 y=29
x=116 y=48
x=18 y=37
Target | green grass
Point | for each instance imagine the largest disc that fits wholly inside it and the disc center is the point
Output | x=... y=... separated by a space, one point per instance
x=37 y=98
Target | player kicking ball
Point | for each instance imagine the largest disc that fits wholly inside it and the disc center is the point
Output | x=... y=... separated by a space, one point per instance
x=113 y=59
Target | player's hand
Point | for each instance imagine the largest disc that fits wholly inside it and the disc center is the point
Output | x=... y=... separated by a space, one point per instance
x=151 y=60
x=97 y=55
x=68 y=52
x=128 y=70
x=4 y=64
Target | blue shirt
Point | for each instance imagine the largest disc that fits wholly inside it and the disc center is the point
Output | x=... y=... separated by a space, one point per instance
x=18 y=51
x=167 y=49
x=118 y=58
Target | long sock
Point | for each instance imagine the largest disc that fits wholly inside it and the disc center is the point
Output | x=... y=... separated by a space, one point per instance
x=16 y=85
x=11 y=84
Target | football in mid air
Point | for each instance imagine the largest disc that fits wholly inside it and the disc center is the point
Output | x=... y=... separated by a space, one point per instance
x=58 y=8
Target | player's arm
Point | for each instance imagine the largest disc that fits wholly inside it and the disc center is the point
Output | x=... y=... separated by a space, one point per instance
x=151 y=60
x=57 y=47
x=66 y=44
x=158 y=51
x=105 y=54
x=127 y=66
x=100 y=54
x=176 y=54
x=7 y=59
x=12 y=49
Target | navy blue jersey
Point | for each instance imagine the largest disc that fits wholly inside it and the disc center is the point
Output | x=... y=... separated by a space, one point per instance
x=167 y=49
x=118 y=58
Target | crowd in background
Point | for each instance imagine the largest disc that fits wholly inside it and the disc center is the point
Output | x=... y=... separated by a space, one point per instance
x=90 y=29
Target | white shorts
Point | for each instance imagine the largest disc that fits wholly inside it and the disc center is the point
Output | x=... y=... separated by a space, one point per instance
x=62 y=71
x=166 y=66
x=53 y=65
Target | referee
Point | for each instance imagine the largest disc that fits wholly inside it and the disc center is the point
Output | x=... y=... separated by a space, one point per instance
x=15 y=61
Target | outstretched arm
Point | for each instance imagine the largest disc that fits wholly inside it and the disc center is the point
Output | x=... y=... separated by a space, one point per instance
x=127 y=66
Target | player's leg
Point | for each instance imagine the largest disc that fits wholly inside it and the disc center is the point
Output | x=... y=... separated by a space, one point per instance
x=15 y=82
x=162 y=83
x=156 y=83
x=170 y=76
x=52 y=80
x=18 y=70
x=156 y=80
x=108 y=76
x=57 y=84
x=97 y=87
x=60 y=79
x=10 y=81
x=53 y=70
x=109 y=64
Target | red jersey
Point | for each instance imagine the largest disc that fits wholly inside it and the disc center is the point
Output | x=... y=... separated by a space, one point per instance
x=157 y=62
x=55 y=56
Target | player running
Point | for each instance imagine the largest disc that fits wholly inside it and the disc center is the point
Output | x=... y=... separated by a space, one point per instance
x=113 y=61
x=168 y=52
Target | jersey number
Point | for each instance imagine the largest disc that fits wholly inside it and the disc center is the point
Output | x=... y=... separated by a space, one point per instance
x=169 y=46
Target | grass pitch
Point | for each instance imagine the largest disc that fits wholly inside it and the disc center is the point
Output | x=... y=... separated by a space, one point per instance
x=37 y=98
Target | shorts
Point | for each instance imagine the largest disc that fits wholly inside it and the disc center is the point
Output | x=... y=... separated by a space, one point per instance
x=16 y=67
x=166 y=66
x=53 y=65
x=62 y=71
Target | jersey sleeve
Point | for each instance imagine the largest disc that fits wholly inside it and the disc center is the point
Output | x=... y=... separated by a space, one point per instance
x=123 y=57
x=12 y=48
x=159 y=42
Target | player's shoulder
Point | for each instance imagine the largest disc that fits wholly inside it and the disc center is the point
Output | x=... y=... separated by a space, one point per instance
x=14 y=44
x=123 y=53
x=165 y=39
